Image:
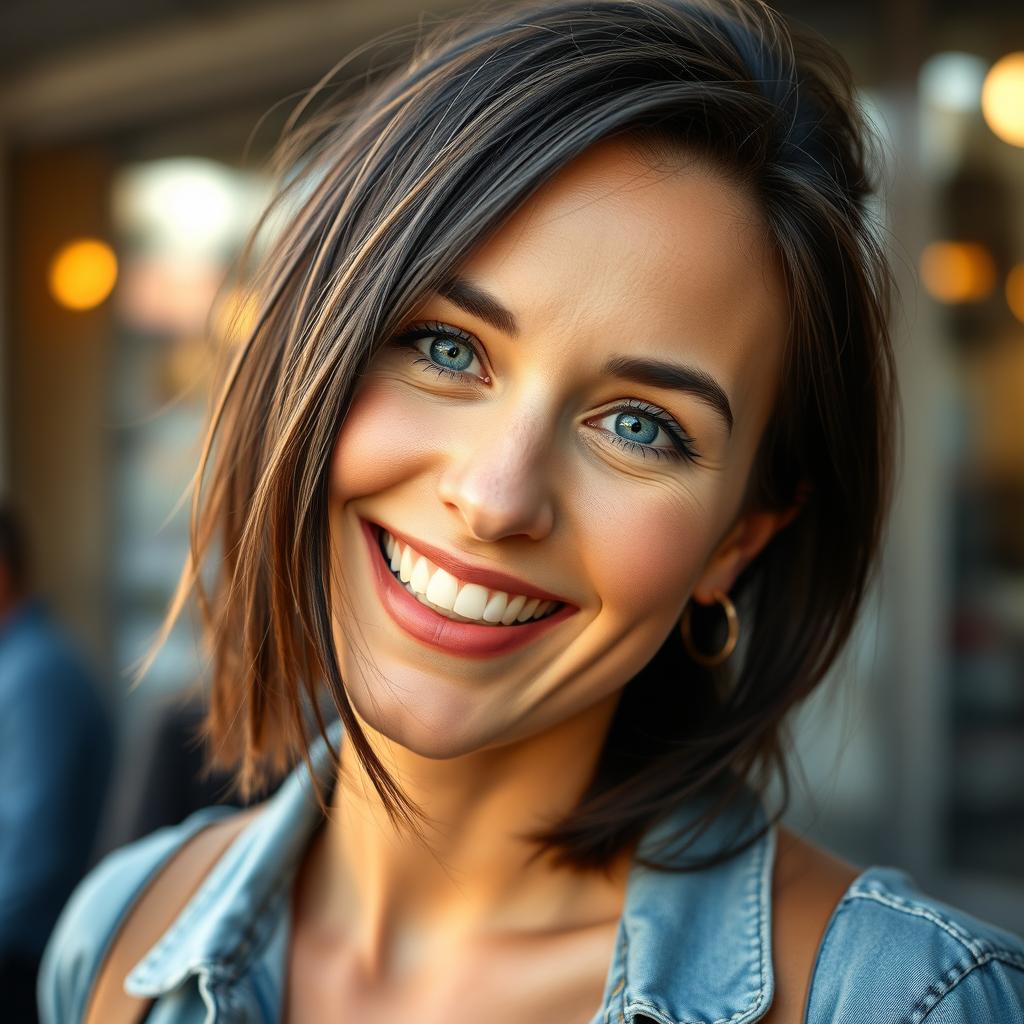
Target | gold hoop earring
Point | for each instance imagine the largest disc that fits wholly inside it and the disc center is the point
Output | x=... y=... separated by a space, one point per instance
x=732 y=618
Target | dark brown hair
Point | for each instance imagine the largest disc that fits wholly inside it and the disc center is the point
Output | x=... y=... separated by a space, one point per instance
x=395 y=186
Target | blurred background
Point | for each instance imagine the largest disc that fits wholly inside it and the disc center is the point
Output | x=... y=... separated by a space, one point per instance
x=133 y=135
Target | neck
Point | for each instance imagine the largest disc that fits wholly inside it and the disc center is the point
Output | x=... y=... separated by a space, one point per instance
x=379 y=890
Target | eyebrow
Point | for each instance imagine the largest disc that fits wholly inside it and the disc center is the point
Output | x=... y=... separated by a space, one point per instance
x=473 y=299
x=655 y=373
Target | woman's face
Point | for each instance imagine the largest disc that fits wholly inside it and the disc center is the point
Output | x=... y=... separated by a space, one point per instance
x=522 y=449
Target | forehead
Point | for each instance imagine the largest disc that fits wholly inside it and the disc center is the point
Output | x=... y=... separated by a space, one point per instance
x=614 y=256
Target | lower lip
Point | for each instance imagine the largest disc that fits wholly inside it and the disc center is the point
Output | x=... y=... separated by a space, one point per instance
x=465 y=638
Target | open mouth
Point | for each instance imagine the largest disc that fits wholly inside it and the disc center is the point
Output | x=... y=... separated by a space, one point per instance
x=498 y=608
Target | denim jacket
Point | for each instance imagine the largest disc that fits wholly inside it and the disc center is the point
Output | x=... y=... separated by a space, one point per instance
x=691 y=948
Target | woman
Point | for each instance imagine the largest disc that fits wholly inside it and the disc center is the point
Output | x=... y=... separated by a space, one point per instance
x=557 y=461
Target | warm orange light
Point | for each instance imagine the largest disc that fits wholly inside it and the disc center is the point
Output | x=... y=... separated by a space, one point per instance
x=1015 y=291
x=958 y=271
x=1002 y=98
x=82 y=274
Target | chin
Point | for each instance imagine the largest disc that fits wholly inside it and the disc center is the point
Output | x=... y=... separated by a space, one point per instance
x=421 y=719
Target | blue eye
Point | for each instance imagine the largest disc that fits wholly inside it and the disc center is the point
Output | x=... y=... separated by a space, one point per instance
x=643 y=421
x=451 y=352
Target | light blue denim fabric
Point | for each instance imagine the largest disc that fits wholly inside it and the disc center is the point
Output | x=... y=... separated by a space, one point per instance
x=693 y=948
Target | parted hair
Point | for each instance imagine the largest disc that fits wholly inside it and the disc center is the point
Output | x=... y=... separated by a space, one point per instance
x=379 y=195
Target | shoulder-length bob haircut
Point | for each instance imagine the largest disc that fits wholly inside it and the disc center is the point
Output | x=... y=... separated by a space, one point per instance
x=393 y=188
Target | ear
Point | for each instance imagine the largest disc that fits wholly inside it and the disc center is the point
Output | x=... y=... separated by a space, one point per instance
x=741 y=545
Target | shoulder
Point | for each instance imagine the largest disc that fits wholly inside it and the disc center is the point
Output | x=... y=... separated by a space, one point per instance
x=889 y=945
x=91 y=917
x=807 y=885
x=852 y=945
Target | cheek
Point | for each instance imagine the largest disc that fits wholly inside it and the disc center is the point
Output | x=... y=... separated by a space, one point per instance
x=381 y=439
x=644 y=554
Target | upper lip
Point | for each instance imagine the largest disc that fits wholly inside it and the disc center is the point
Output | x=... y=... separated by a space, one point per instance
x=490 y=578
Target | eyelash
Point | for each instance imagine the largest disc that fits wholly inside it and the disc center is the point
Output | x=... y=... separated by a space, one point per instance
x=682 y=444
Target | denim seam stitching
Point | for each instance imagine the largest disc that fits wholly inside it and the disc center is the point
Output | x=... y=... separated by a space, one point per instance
x=827 y=941
x=213 y=963
x=756 y=871
x=648 y=1008
x=254 y=934
x=619 y=990
x=895 y=903
x=756 y=880
x=116 y=926
x=147 y=969
x=168 y=944
x=209 y=890
x=948 y=987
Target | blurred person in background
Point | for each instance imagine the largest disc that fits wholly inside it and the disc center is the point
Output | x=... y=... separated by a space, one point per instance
x=56 y=748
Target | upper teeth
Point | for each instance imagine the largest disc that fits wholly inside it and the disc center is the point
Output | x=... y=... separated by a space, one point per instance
x=464 y=600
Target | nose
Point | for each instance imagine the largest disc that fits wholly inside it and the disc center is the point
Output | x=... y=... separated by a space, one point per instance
x=498 y=479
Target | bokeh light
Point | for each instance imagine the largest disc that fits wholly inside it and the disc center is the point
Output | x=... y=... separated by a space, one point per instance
x=954 y=272
x=953 y=81
x=185 y=206
x=83 y=273
x=1002 y=98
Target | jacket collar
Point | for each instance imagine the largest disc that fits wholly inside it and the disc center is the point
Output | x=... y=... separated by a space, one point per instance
x=230 y=917
x=695 y=947
x=691 y=947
